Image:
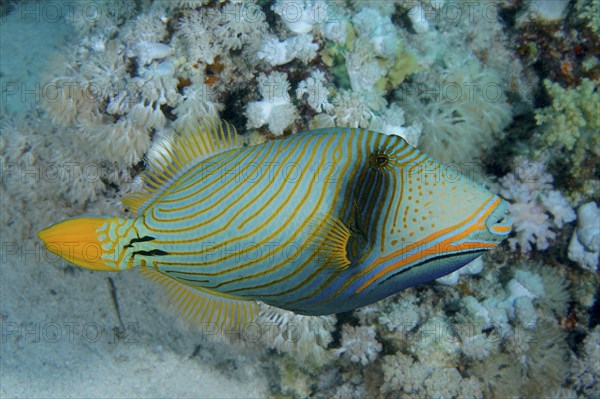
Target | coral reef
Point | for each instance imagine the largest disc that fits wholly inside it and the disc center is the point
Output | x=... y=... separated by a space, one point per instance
x=449 y=85
x=564 y=44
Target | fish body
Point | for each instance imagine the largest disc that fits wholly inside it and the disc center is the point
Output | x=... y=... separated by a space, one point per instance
x=321 y=222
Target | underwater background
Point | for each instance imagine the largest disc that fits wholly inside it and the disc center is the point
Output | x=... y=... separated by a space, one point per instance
x=505 y=92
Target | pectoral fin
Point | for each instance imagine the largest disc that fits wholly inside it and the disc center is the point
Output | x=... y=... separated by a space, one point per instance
x=331 y=241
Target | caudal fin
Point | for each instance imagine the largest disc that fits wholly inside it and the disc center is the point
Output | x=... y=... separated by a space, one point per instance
x=84 y=242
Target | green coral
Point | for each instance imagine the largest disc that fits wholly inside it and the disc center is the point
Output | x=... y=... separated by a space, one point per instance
x=405 y=64
x=571 y=123
x=398 y=66
x=588 y=11
x=572 y=111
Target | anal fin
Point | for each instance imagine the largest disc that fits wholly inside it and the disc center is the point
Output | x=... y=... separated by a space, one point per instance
x=201 y=307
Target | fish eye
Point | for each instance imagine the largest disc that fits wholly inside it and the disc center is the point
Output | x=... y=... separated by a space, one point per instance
x=501 y=219
x=379 y=160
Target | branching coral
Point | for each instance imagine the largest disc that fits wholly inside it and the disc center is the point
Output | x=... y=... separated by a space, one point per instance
x=391 y=121
x=123 y=142
x=147 y=51
x=105 y=72
x=570 y=126
x=536 y=209
x=378 y=56
x=113 y=110
x=489 y=314
x=157 y=84
x=471 y=268
x=589 y=12
x=522 y=290
x=378 y=29
x=356 y=109
x=400 y=316
x=101 y=19
x=533 y=291
x=573 y=113
x=238 y=24
x=403 y=375
x=70 y=98
x=359 y=344
x=150 y=27
x=436 y=340
x=555 y=300
x=303 y=16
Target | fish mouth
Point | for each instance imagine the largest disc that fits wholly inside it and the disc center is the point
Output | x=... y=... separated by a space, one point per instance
x=499 y=222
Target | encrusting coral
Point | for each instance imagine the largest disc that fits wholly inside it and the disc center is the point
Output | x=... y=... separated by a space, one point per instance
x=584 y=247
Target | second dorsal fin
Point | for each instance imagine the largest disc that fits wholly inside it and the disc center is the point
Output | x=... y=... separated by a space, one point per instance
x=183 y=150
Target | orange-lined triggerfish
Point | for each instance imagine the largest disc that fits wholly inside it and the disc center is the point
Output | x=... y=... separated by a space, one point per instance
x=321 y=222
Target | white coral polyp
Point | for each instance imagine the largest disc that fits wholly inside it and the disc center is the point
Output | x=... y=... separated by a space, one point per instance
x=147 y=116
x=150 y=51
x=298 y=15
x=359 y=344
x=274 y=52
x=378 y=29
x=275 y=109
x=315 y=92
x=278 y=114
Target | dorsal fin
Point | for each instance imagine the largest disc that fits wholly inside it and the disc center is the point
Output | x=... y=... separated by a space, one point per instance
x=177 y=154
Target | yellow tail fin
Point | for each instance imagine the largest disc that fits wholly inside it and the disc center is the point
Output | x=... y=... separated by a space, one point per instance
x=84 y=242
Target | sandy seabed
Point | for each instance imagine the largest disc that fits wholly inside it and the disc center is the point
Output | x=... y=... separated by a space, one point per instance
x=61 y=334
